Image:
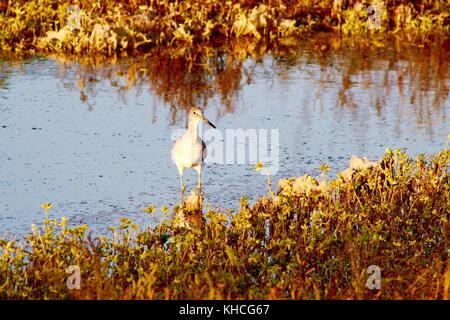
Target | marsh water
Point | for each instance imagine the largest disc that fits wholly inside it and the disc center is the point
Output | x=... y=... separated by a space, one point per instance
x=94 y=137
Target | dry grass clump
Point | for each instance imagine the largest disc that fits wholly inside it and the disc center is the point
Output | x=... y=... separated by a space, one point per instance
x=108 y=26
x=289 y=245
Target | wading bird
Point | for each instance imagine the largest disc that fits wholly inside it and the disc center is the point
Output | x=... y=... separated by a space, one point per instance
x=189 y=150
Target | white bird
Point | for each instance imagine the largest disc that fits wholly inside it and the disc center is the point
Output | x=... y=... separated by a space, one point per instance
x=189 y=150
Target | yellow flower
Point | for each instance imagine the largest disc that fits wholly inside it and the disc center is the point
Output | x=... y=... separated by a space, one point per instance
x=125 y=220
x=259 y=166
x=165 y=209
x=324 y=167
x=46 y=206
x=150 y=209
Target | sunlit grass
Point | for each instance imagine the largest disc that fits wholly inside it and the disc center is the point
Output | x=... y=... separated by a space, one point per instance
x=300 y=243
x=103 y=26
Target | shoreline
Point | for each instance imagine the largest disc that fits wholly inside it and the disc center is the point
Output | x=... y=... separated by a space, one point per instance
x=107 y=28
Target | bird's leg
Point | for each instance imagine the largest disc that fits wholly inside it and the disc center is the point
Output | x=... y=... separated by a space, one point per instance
x=180 y=170
x=199 y=188
x=199 y=183
x=182 y=184
x=182 y=192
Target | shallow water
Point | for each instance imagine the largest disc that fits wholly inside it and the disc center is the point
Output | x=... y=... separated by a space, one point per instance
x=94 y=139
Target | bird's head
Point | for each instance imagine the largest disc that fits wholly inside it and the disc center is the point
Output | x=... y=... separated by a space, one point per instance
x=197 y=114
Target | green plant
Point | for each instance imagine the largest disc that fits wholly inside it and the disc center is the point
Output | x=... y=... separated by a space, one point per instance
x=293 y=245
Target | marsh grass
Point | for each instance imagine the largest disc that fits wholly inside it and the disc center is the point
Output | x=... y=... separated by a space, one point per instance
x=297 y=244
x=106 y=27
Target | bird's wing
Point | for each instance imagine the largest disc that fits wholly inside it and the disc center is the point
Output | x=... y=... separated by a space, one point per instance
x=177 y=149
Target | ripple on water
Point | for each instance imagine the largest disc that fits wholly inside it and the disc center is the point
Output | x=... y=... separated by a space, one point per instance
x=109 y=156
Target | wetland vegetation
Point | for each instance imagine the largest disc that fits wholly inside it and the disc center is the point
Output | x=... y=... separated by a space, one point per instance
x=308 y=237
x=108 y=27
x=314 y=238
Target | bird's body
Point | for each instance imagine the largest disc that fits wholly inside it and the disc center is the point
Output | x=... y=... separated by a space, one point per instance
x=189 y=150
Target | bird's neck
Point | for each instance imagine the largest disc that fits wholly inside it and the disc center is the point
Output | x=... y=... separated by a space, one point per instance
x=192 y=128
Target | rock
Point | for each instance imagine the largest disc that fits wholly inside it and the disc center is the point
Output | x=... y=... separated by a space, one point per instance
x=302 y=185
x=356 y=164
x=346 y=174
x=193 y=202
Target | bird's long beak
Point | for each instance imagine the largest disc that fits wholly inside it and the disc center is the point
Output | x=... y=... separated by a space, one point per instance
x=205 y=120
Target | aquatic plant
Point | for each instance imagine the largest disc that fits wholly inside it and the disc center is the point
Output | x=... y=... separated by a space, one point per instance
x=103 y=26
x=297 y=244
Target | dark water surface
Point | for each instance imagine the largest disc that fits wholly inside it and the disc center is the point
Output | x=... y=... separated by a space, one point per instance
x=94 y=138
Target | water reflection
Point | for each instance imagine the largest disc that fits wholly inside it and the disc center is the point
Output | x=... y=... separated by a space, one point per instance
x=185 y=78
x=93 y=136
